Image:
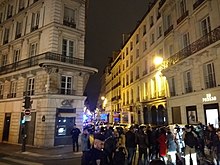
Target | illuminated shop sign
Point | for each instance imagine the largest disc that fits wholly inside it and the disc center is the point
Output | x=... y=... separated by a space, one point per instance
x=209 y=97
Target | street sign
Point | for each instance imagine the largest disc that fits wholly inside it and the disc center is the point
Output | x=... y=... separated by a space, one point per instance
x=27 y=112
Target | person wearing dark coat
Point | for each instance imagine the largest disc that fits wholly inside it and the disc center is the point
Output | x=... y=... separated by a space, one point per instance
x=142 y=141
x=75 y=136
x=130 y=144
x=96 y=155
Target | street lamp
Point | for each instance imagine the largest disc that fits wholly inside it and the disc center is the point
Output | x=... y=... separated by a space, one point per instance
x=158 y=60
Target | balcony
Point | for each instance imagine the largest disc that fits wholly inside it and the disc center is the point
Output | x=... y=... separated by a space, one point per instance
x=197 y=4
x=5 y=41
x=182 y=17
x=34 y=28
x=36 y=60
x=21 y=8
x=11 y=95
x=196 y=46
x=1 y=96
x=64 y=91
x=28 y=93
x=17 y=36
x=9 y=16
x=137 y=77
x=168 y=30
x=71 y=24
x=145 y=72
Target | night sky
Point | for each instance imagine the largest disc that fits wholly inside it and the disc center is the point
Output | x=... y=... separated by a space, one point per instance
x=107 y=20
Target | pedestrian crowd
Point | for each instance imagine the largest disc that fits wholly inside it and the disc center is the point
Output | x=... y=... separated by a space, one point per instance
x=147 y=145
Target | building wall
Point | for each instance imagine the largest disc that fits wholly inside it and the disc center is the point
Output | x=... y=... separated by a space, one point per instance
x=47 y=66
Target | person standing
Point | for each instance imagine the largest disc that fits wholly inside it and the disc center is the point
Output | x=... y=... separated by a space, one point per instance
x=96 y=155
x=75 y=136
x=142 y=142
x=85 y=143
x=190 y=140
x=130 y=144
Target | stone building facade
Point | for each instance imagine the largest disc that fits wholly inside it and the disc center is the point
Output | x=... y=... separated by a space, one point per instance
x=183 y=88
x=42 y=56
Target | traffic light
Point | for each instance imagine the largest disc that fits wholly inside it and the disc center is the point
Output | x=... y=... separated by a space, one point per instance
x=27 y=102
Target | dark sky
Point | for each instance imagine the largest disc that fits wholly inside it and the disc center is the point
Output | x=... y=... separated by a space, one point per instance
x=107 y=20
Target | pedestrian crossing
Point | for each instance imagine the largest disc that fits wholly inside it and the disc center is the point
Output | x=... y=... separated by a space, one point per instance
x=14 y=161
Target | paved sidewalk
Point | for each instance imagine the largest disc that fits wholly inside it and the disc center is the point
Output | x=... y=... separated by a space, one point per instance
x=35 y=153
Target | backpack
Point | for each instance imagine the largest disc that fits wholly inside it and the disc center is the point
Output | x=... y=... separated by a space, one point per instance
x=190 y=140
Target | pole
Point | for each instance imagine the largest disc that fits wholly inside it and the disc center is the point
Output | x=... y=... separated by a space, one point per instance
x=24 y=136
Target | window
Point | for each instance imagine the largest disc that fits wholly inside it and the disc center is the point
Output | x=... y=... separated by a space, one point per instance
x=30 y=86
x=69 y=17
x=18 y=30
x=205 y=26
x=169 y=21
x=172 y=86
x=159 y=31
x=187 y=82
x=182 y=7
x=1 y=17
x=10 y=10
x=137 y=72
x=1 y=91
x=4 y=59
x=35 y=21
x=127 y=79
x=126 y=63
x=144 y=30
x=151 y=21
x=131 y=77
x=67 y=51
x=131 y=59
x=13 y=89
x=21 y=5
x=66 y=85
x=137 y=38
x=153 y=88
x=33 y=49
x=6 y=36
x=171 y=50
x=145 y=45
x=126 y=50
x=152 y=38
x=137 y=53
x=209 y=75
x=16 y=57
x=185 y=40
x=131 y=45
x=145 y=70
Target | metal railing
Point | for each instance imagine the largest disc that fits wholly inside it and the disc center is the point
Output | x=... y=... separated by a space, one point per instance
x=34 y=61
x=182 y=17
x=196 y=46
x=197 y=4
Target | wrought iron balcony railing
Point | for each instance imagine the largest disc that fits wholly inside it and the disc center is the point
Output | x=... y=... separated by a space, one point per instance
x=11 y=95
x=66 y=91
x=182 y=17
x=34 y=61
x=197 y=4
x=196 y=46
x=168 y=30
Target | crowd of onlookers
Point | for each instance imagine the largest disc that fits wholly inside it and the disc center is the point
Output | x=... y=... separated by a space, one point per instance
x=198 y=144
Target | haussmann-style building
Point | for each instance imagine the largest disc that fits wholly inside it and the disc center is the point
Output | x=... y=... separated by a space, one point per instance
x=42 y=46
x=167 y=72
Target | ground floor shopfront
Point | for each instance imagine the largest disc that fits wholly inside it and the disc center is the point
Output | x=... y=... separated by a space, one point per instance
x=195 y=107
x=49 y=123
